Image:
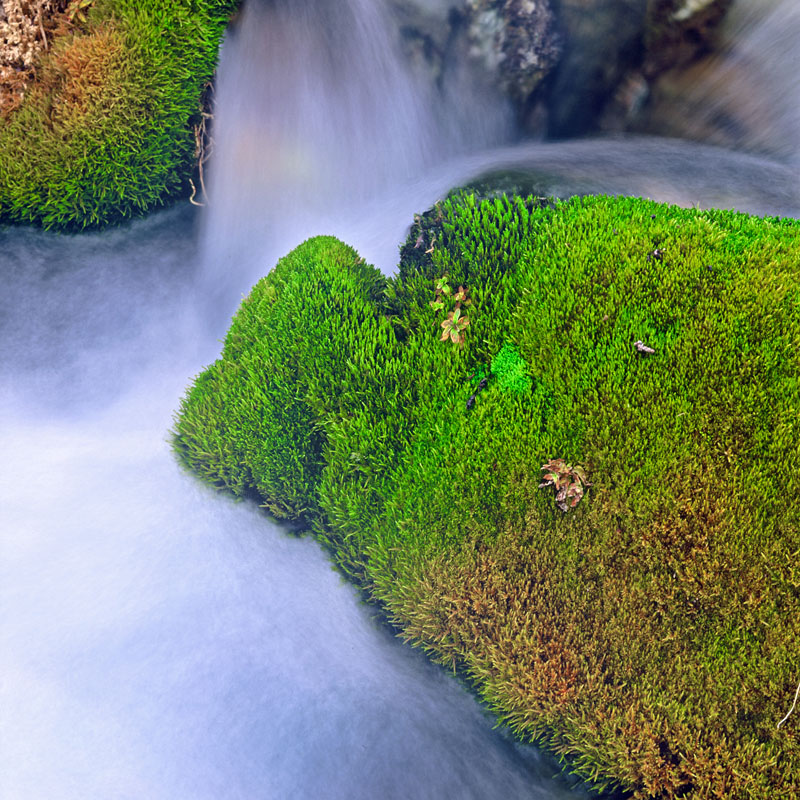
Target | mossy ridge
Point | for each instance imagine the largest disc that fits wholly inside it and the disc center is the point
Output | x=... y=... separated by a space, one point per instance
x=105 y=133
x=649 y=635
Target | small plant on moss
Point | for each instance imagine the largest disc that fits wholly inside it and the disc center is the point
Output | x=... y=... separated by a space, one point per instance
x=455 y=324
x=441 y=290
x=567 y=480
x=461 y=297
x=77 y=10
x=509 y=367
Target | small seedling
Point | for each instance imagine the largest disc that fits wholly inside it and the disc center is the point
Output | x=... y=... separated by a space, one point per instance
x=455 y=323
x=76 y=10
x=567 y=480
x=461 y=296
x=441 y=289
x=441 y=285
x=453 y=326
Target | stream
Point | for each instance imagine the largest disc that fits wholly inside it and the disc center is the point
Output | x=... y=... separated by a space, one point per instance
x=158 y=639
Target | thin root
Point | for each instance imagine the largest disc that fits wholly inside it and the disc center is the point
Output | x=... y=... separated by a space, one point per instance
x=194 y=192
x=796 y=694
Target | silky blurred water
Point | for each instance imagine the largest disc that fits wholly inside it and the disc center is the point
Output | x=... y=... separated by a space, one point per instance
x=157 y=639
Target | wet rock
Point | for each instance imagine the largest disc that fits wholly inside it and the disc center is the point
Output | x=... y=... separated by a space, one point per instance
x=603 y=42
x=507 y=44
x=516 y=40
x=717 y=86
x=679 y=31
x=615 y=52
x=569 y=66
x=722 y=100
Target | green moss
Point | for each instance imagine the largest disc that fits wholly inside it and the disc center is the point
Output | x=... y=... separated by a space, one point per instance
x=106 y=131
x=649 y=636
x=509 y=368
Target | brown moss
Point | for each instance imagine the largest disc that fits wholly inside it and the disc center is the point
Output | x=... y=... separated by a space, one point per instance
x=569 y=652
x=78 y=73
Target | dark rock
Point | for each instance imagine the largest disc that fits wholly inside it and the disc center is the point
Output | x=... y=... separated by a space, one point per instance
x=508 y=44
x=678 y=31
x=569 y=66
x=603 y=42
x=427 y=30
x=736 y=90
x=677 y=34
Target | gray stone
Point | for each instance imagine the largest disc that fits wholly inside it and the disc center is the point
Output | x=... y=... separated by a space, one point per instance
x=515 y=40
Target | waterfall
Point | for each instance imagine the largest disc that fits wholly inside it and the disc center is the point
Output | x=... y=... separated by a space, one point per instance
x=319 y=117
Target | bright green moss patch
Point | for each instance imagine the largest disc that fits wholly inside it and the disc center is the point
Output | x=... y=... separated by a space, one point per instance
x=509 y=368
x=648 y=633
x=106 y=130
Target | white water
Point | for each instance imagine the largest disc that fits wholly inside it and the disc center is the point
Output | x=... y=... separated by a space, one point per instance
x=320 y=126
x=158 y=640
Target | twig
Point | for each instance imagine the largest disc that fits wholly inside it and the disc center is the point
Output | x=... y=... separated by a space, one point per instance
x=202 y=182
x=796 y=694
x=41 y=27
x=471 y=400
x=203 y=153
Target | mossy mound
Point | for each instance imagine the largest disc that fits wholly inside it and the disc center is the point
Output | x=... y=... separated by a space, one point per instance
x=650 y=356
x=107 y=129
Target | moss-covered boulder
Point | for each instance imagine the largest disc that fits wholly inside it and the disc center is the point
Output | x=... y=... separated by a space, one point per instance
x=586 y=499
x=112 y=123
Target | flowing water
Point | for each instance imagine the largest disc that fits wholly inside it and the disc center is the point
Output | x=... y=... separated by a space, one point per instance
x=746 y=94
x=158 y=640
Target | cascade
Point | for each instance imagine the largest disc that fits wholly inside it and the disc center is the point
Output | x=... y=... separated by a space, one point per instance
x=319 y=118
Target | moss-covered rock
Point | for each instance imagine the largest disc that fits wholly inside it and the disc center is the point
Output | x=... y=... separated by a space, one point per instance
x=647 y=357
x=107 y=129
